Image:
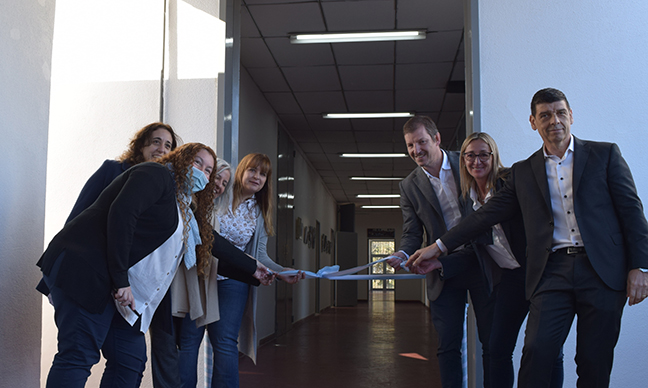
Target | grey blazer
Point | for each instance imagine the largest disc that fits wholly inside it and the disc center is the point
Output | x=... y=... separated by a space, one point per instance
x=422 y=216
x=608 y=211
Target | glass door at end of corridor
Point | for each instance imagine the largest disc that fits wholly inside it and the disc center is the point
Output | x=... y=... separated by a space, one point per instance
x=379 y=248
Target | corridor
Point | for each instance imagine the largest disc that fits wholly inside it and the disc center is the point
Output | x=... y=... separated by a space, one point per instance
x=379 y=343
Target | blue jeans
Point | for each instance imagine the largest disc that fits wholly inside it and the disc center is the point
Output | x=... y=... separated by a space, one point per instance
x=448 y=312
x=82 y=335
x=223 y=335
x=511 y=307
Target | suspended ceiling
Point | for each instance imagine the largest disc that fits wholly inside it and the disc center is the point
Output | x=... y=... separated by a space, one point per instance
x=303 y=81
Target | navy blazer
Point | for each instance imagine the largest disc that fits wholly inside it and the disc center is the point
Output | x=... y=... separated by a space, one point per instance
x=109 y=170
x=608 y=211
x=131 y=218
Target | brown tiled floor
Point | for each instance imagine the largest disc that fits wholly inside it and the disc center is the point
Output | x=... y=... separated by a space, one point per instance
x=357 y=347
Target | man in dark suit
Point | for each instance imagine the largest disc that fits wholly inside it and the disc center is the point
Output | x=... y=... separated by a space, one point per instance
x=587 y=243
x=430 y=206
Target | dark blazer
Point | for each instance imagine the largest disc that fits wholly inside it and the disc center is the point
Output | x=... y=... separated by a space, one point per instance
x=515 y=235
x=422 y=215
x=109 y=170
x=131 y=218
x=606 y=205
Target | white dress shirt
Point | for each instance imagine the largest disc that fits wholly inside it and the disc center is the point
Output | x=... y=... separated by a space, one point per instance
x=500 y=250
x=151 y=277
x=560 y=173
x=445 y=189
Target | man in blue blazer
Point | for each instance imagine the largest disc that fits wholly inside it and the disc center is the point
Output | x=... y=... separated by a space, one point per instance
x=587 y=240
x=430 y=206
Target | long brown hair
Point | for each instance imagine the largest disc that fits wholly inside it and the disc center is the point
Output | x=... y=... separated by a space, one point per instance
x=181 y=161
x=467 y=181
x=263 y=196
x=133 y=155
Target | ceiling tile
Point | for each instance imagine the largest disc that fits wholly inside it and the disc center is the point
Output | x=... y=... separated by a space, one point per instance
x=419 y=100
x=311 y=147
x=283 y=103
x=359 y=15
x=450 y=119
x=254 y=53
x=335 y=137
x=376 y=147
x=318 y=123
x=269 y=79
x=281 y=19
x=288 y=54
x=248 y=29
x=454 y=102
x=436 y=47
x=437 y=15
x=335 y=148
x=376 y=77
x=374 y=101
x=368 y=127
x=315 y=78
x=370 y=53
x=422 y=76
x=321 y=102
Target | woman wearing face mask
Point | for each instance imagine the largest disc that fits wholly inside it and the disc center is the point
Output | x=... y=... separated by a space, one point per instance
x=195 y=299
x=482 y=174
x=110 y=267
x=246 y=222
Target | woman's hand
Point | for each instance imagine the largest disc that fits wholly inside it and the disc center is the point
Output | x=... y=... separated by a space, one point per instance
x=125 y=297
x=291 y=279
x=263 y=275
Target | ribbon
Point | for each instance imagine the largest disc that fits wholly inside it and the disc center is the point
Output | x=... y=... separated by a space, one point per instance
x=333 y=272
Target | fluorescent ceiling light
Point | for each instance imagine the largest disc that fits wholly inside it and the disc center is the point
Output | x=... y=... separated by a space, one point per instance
x=380 y=206
x=357 y=37
x=378 y=196
x=375 y=178
x=367 y=115
x=346 y=155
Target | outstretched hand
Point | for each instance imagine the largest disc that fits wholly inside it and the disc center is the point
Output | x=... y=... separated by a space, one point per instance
x=637 y=289
x=425 y=260
x=291 y=279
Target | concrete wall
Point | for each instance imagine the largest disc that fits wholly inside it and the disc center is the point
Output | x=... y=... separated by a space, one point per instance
x=596 y=54
x=26 y=31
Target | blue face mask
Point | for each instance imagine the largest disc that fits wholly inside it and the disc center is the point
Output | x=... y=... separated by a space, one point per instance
x=198 y=178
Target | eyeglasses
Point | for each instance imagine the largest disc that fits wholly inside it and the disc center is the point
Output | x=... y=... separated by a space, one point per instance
x=483 y=156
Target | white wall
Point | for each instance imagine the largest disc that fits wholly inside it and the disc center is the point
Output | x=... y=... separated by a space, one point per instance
x=312 y=203
x=26 y=30
x=595 y=52
x=106 y=68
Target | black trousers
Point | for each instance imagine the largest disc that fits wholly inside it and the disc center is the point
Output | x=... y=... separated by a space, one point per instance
x=570 y=287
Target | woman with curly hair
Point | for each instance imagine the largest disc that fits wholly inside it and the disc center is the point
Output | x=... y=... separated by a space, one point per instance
x=149 y=143
x=110 y=267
